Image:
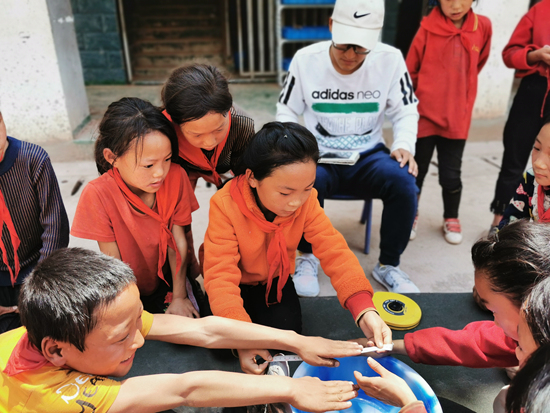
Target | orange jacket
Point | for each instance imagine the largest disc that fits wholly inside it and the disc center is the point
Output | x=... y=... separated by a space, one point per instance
x=235 y=252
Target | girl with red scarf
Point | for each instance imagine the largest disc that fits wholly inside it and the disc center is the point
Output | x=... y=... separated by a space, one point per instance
x=137 y=208
x=256 y=222
x=446 y=55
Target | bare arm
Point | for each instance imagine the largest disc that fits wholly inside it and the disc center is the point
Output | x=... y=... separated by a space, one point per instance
x=216 y=389
x=110 y=249
x=219 y=332
x=180 y=305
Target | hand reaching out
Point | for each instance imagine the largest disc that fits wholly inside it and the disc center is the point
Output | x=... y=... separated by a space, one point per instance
x=183 y=307
x=6 y=310
x=313 y=395
x=375 y=330
x=247 y=358
x=387 y=388
x=319 y=351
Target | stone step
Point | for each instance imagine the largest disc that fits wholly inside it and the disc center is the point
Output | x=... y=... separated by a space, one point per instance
x=144 y=73
x=171 y=33
x=177 y=46
x=173 y=61
x=175 y=20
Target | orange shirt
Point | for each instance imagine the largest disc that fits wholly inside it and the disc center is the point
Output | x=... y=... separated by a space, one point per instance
x=103 y=214
x=235 y=252
x=54 y=389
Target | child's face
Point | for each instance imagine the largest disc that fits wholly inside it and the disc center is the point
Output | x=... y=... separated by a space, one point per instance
x=3 y=138
x=526 y=343
x=286 y=189
x=111 y=345
x=144 y=168
x=207 y=132
x=541 y=156
x=505 y=311
x=456 y=10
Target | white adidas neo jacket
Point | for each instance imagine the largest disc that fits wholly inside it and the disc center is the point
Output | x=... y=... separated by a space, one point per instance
x=347 y=111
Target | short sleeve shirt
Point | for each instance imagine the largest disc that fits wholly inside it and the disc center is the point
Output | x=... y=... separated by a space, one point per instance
x=103 y=214
x=53 y=389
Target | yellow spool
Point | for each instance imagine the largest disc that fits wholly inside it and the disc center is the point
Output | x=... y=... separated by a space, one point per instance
x=398 y=311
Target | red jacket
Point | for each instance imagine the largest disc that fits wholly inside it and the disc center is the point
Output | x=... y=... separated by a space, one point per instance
x=531 y=33
x=481 y=344
x=444 y=63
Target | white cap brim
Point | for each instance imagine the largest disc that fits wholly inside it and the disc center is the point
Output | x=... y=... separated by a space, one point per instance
x=345 y=34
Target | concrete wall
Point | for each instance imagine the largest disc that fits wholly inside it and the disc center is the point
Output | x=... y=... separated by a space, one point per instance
x=495 y=80
x=99 y=41
x=42 y=94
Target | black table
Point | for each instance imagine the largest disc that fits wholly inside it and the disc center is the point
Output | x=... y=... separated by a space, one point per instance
x=459 y=389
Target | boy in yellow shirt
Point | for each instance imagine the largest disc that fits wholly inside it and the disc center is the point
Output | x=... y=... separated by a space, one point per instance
x=83 y=320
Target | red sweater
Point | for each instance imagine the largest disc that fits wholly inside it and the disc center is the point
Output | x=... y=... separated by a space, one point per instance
x=444 y=63
x=531 y=33
x=481 y=344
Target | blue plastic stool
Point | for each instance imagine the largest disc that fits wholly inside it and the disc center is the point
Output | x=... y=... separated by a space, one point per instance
x=366 y=215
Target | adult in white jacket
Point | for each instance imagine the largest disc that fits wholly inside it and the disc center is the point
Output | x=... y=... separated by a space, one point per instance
x=344 y=88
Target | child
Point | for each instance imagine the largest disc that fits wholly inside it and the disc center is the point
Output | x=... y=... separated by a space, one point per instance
x=33 y=218
x=137 y=208
x=528 y=52
x=83 y=321
x=212 y=133
x=531 y=199
x=255 y=225
x=529 y=391
x=446 y=55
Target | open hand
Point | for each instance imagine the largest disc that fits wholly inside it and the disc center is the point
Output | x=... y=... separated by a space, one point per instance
x=404 y=157
x=539 y=55
x=247 y=358
x=387 y=388
x=319 y=351
x=183 y=307
x=310 y=394
x=375 y=330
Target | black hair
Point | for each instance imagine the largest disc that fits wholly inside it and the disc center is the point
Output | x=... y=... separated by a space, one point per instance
x=515 y=258
x=535 y=309
x=191 y=92
x=128 y=119
x=61 y=298
x=277 y=144
x=529 y=390
x=433 y=3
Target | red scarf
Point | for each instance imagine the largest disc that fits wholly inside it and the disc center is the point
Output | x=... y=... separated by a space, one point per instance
x=25 y=357
x=277 y=254
x=5 y=218
x=166 y=204
x=436 y=22
x=544 y=216
x=195 y=156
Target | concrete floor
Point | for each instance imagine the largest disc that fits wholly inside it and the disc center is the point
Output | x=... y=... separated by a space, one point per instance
x=433 y=264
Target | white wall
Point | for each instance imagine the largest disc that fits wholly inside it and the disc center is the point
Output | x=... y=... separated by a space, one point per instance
x=495 y=80
x=42 y=94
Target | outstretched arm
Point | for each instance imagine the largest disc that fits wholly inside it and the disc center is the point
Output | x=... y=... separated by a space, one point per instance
x=216 y=389
x=219 y=332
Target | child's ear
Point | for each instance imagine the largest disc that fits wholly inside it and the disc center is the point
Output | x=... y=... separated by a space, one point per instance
x=53 y=351
x=330 y=24
x=109 y=156
x=250 y=178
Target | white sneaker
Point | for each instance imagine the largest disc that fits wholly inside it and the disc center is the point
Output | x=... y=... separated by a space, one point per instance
x=452 y=231
x=305 y=275
x=395 y=280
x=413 y=229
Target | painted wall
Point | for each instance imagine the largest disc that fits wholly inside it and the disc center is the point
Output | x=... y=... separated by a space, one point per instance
x=99 y=41
x=42 y=94
x=495 y=80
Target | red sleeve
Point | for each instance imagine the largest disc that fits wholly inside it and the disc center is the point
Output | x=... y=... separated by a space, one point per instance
x=91 y=219
x=480 y=344
x=416 y=54
x=187 y=202
x=521 y=42
x=484 y=54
